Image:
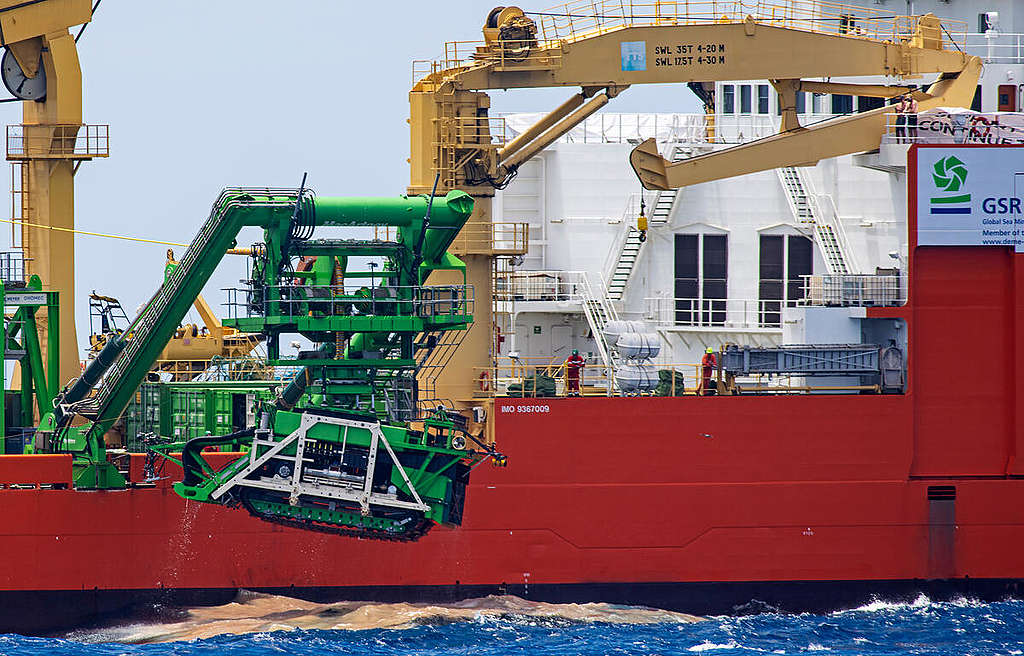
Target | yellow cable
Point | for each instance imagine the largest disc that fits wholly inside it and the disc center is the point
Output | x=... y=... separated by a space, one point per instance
x=92 y=234
x=230 y=251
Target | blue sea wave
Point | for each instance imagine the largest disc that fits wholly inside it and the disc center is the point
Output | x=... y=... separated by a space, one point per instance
x=521 y=627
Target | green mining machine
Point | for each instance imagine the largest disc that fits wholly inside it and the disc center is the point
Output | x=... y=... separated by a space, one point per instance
x=349 y=445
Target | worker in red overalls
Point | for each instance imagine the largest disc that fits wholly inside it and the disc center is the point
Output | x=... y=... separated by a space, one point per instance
x=707 y=370
x=573 y=372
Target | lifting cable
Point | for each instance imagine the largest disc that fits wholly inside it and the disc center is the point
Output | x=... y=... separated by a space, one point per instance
x=92 y=15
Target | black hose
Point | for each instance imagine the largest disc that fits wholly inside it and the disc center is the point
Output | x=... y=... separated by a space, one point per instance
x=92 y=374
x=192 y=461
x=293 y=392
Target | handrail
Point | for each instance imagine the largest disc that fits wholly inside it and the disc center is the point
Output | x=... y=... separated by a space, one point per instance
x=834 y=221
x=72 y=141
x=859 y=290
x=997 y=47
x=524 y=375
x=581 y=19
x=629 y=214
x=724 y=313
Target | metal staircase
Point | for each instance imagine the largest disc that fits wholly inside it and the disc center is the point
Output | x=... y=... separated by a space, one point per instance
x=629 y=245
x=828 y=232
x=665 y=200
x=624 y=263
x=599 y=311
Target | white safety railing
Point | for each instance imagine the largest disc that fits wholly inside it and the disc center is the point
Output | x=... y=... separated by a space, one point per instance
x=711 y=313
x=627 y=223
x=997 y=47
x=855 y=290
x=564 y=286
x=731 y=128
x=620 y=128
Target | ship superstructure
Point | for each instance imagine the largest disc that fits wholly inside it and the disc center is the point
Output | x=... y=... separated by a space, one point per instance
x=733 y=260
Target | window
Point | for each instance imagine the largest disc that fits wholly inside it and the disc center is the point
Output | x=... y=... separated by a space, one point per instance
x=799 y=263
x=976 y=102
x=867 y=103
x=744 y=99
x=1006 y=98
x=762 y=99
x=687 y=270
x=701 y=279
x=818 y=103
x=801 y=102
x=842 y=103
x=983 y=25
x=728 y=99
x=783 y=262
x=715 y=270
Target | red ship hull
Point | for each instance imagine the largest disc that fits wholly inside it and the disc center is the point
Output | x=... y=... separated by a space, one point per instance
x=643 y=500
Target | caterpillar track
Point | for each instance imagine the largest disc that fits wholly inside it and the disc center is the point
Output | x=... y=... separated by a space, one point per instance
x=414 y=525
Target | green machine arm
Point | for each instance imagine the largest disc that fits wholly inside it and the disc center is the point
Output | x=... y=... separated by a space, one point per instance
x=281 y=213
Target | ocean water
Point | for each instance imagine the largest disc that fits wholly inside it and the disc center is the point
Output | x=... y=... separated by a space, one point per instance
x=260 y=624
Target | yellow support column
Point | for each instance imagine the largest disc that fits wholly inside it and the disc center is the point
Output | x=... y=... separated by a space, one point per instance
x=459 y=380
x=51 y=188
x=51 y=143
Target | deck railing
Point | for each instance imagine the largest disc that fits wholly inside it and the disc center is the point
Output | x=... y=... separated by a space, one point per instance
x=854 y=290
x=716 y=313
x=563 y=286
x=57 y=141
x=997 y=47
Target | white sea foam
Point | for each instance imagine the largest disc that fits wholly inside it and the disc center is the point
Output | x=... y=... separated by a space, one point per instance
x=922 y=601
x=708 y=646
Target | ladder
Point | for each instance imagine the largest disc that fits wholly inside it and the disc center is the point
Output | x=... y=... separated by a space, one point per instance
x=827 y=231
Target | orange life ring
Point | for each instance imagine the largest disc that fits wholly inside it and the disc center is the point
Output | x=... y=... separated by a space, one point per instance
x=484 y=381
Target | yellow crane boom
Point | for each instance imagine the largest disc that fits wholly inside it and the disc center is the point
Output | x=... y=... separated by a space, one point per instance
x=605 y=46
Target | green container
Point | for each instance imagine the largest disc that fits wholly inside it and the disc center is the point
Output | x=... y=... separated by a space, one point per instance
x=182 y=411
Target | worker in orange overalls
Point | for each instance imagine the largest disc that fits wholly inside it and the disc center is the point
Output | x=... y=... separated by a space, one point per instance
x=707 y=370
x=573 y=372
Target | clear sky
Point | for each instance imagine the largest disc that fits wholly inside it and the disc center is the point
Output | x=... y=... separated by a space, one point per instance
x=204 y=95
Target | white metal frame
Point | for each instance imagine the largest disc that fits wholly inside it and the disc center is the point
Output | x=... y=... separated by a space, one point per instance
x=295 y=487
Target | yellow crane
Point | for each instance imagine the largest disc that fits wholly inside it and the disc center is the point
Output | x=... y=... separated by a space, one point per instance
x=40 y=66
x=604 y=46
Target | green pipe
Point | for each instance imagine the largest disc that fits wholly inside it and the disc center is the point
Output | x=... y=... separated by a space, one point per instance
x=451 y=210
x=36 y=360
x=52 y=346
x=27 y=416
